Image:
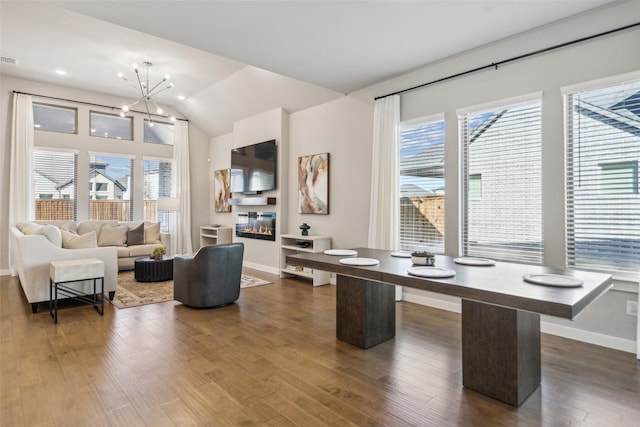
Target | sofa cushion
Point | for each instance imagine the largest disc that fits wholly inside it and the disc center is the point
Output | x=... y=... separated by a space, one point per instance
x=143 y=250
x=27 y=228
x=123 y=251
x=83 y=241
x=135 y=235
x=152 y=232
x=113 y=235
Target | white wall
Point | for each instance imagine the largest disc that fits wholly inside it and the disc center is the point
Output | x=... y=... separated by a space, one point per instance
x=84 y=144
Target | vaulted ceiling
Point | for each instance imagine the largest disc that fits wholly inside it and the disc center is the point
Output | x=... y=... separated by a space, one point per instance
x=234 y=59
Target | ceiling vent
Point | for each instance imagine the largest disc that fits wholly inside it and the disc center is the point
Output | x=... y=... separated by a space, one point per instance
x=7 y=60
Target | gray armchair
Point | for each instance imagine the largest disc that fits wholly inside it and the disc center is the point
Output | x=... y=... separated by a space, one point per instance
x=210 y=278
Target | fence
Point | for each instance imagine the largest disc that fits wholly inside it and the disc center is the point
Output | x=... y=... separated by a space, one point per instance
x=63 y=209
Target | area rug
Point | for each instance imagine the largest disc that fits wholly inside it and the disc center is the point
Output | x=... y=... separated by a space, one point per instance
x=133 y=294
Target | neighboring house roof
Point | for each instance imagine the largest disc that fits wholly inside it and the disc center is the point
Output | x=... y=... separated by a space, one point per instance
x=115 y=181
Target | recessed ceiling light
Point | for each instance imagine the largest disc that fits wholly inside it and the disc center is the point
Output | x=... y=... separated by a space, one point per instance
x=181 y=97
x=61 y=72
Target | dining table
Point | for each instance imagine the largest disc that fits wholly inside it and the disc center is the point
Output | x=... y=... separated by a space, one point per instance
x=501 y=307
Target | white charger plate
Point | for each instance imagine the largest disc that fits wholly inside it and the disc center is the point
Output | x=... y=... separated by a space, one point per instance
x=466 y=260
x=553 y=280
x=433 y=272
x=401 y=254
x=340 y=252
x=359 y=261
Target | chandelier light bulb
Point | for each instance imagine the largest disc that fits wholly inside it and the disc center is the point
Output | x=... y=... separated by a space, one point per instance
x=121 y=75
x=125 y=108
x=135 y=67
x=122 y=114
x=167 y=76
x=170 y=86
x=160 y=110
x=172 y=119
x=151 y=124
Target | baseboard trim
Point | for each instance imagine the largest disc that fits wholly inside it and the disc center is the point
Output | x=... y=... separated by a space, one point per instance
x=589 y=337
x=5 y=272
x=261 y=267
x=595 y=338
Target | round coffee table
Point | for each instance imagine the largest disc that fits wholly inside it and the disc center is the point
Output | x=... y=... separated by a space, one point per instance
x=149 y=269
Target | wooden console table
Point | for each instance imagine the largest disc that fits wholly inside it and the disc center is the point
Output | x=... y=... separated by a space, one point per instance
x=500 y=312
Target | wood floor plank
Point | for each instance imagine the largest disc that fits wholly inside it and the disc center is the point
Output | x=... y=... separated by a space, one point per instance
x=272 y=359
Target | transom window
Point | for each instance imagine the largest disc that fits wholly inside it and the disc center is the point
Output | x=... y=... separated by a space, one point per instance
x=110 y=126
x=54 y=119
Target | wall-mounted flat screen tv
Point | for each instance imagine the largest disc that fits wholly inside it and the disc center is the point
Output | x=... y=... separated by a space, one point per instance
x=254 y=167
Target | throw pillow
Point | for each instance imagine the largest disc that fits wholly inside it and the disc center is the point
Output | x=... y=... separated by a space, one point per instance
x=113 y=236
x=152 y=233
x=67 y=237
x=135 y=235
x=84 y=241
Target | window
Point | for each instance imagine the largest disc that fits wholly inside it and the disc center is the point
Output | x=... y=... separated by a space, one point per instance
x=603 y=150
x=54 y=119
x=501 y=158
x=619 y=178
x=158 y=133
x=158 y=182
x=475 y=186
x=422 y=186
x=112 y=176
x=55 y=181
x=109 y=126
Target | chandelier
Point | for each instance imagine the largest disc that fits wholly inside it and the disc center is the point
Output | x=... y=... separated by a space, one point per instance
x=147 y=92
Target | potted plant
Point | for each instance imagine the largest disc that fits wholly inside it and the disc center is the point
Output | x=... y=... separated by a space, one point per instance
x=158 y=253
x=423 y=258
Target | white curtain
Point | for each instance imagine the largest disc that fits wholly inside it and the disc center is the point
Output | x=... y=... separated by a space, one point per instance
x=21 y=202
x=384 y=213
x=183 y=189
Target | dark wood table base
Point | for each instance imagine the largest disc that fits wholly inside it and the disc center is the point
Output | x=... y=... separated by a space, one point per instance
x=365 y=311
x=500 y=351
x=500 y=346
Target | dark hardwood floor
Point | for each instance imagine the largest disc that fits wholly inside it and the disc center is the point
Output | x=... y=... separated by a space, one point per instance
x=273 y=359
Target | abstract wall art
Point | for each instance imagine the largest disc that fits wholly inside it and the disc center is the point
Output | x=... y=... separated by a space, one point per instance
x=222 y=190
x=313 y=184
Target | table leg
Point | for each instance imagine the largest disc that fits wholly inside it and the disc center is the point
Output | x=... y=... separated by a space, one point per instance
x=365 y=311
x=500 y=351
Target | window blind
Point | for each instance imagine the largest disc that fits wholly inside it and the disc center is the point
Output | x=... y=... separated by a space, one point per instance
x=603 y=204
x=501 y=162
x=422 y=221
x=158 y=182
x=55 y=184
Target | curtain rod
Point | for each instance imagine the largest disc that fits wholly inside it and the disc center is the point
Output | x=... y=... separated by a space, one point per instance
x=94 y=104
x=515 y=58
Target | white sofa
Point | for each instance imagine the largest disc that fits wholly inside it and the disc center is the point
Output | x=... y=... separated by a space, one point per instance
x=41 y=243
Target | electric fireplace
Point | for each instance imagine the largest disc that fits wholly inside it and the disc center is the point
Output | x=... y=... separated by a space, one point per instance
x=256 y=225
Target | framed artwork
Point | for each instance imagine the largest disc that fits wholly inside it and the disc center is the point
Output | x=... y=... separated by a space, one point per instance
x=222 y=190
x=313 y=184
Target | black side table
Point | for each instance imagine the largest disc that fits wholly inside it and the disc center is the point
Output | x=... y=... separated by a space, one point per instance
x=151 y=270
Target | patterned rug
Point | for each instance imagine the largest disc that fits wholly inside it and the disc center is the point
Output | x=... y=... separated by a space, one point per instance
x=132 y=294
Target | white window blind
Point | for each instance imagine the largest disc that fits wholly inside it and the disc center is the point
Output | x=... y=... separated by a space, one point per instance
x=55 y=184
x=110 y=182
x=603 y=204
x=158 y=182
x=422 y=186
x=501 y=160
